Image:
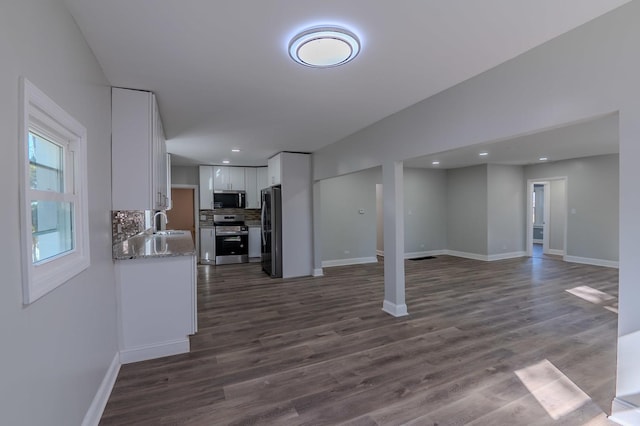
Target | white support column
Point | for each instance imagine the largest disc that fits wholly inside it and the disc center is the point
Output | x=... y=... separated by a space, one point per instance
x=393 y=206
x=317 y=246
x=626 y=405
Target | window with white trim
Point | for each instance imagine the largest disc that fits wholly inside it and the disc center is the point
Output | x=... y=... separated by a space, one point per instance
x=53 y=192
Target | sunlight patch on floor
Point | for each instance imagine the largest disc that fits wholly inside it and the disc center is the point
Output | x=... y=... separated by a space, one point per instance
x=554 y=391
x=596 y=297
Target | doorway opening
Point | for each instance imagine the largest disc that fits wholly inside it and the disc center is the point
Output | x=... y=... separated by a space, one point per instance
x=184 y=210
x=546 y=217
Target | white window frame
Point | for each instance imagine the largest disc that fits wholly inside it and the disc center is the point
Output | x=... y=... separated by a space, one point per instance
x=42 y=115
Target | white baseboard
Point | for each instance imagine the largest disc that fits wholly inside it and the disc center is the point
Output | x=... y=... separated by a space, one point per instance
x=624 y=413
x=556 y=252
x=394 y=310
x=588 y=261
x=144 y=353
x=466 y=255
x=94 y=413
x=503 y=256
x=380 y=253
x=317 y=272
x=352 y=261
x=537 y=241
x=416 y=254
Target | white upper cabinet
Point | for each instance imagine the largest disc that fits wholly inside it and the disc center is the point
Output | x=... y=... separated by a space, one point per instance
x=138 y=154
x=206 y=187
x=228 y=178
x=250 y=179
x=275 y=173
x=262 y=179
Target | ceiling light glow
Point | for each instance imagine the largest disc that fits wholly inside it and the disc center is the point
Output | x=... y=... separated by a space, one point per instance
x=483 y=154
x=235 y=150
x=435 y=163
x=543 y=158
x=225 y=161
x=324 y=47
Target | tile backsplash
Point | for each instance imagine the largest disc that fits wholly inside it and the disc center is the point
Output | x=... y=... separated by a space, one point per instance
x=249 y=215
x=126 y=223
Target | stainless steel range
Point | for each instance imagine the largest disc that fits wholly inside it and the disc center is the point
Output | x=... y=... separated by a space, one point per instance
x=232 y=239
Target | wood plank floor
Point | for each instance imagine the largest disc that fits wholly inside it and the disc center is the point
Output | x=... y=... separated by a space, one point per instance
x=486 y=343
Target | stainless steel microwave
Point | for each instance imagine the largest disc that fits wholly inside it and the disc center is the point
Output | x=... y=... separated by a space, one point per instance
x=225 y=199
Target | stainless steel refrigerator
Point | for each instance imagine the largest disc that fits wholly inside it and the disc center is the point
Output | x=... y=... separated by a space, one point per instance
x=271 y=219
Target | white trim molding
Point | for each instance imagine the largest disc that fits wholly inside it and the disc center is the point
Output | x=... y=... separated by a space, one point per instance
x=352 y=261
x=143 y=353
x=504 y=256
x=99 y=402
x=394 y=310
x=416 y=254
x=317 y=272
x=466 y=255
x=589 y=261
x=624 y=413
x=556 y=252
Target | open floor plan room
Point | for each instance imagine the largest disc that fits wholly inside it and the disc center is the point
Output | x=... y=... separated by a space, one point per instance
x=526 y=341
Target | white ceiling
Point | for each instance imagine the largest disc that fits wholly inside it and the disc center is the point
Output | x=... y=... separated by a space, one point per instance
x=595 y=137
x=223 y=77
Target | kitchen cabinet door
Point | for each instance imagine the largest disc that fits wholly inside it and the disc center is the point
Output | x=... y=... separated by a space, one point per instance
x=220 y=177
x=236 y=178
x=250 y=178
x=228 y=178
x=138 y=152
x=274 y=170
x=255 y=242
x=262 y=178
x=206 y=187
x=207 y=245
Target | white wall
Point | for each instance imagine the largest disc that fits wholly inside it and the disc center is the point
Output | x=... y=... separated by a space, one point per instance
x=425 y=210
x=344 y=228
x=558 y=215
x=55 y=351
x=467 y=209
x=185 y=175
x=506 y=203
x=593 y=199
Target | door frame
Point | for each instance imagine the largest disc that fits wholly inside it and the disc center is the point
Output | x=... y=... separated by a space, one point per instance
x=196 y=211
x=547 y=212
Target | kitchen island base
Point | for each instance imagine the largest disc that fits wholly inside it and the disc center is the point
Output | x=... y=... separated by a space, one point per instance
x=157 y=306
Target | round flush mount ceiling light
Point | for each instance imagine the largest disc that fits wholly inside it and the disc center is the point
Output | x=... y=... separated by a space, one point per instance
x=324 y=47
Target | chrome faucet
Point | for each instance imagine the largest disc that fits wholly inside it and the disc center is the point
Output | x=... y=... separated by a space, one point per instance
x=166 y=220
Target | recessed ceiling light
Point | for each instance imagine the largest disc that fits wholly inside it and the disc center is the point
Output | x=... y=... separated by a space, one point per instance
x=235 y=150
x=324 y=47
x=543 y=159
x=435 y=163
x=225 y=161
x=483 y=154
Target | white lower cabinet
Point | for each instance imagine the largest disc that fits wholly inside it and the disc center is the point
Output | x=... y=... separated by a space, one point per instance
x=255 y=242
x=157 y=306
x=207 y=245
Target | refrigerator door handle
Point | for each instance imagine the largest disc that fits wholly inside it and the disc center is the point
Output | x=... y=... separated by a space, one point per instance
x=262 y=217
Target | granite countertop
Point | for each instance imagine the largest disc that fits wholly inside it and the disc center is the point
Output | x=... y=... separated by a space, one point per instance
x=252 y=223
x=162 y=244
